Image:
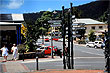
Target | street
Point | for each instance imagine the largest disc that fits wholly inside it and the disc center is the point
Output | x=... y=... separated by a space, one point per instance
x=84 y=58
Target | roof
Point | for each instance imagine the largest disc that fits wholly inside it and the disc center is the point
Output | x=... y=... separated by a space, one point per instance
x=86 y=21
x=8 y=23
x=17 y=17
x=11 y=17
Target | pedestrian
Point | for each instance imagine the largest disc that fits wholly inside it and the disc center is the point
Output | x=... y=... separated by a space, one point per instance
x=14 y=50
x=4 y=50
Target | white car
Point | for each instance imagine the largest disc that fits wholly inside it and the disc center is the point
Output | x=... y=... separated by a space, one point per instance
x=61 y=40
x=90 y=44
x=98 y=44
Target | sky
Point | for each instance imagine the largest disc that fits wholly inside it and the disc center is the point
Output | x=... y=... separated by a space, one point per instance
x=33 y=6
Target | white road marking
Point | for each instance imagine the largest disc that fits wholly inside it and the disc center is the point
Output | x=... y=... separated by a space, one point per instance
x=41 y=60
x=93 y=53
x=89 y=62
x=51 y=60
x=88 y=57
x=82 y=65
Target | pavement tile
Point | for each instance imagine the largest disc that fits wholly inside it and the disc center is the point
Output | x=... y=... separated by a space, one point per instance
x=13 y=67
x=4 y=68
x=1 y=68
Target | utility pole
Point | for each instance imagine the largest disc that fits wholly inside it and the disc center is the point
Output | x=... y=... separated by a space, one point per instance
x=108 y=60
x=107 y=44
x=63 y=32
x=69 y=36
x=71 y=12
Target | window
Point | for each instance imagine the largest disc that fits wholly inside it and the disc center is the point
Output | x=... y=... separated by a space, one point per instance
x=100 y=27
x=93 y=27
x=96 y=42
x=85 y=27
x=100 y=42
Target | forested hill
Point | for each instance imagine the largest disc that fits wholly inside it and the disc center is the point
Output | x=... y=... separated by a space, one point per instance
x=32 y=16
x=92 y=10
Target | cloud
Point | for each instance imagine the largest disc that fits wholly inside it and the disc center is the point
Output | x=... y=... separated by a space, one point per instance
x=49 y=9
x=15 y=4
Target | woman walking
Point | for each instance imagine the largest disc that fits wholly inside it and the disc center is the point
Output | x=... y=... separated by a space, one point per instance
x=4 y=50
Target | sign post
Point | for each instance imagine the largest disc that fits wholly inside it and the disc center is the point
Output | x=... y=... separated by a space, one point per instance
x=63 y=32
x=54 y=23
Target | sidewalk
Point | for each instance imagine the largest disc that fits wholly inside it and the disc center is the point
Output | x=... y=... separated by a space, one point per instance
x=16 y=67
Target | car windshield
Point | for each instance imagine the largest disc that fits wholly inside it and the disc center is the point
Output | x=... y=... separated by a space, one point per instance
x=42 y=48
x=100 y=42
x=46 y=48
x=50 y=47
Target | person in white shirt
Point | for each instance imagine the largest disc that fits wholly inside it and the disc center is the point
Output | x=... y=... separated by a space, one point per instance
x=4 y=50
x=14 y=49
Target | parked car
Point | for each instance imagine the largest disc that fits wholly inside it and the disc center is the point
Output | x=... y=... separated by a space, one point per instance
x=40 y=50
x=98 y=44
x=46 y=39
x=61 y=40
x=90 y=44
x=56 y=51
x=56 y=39
x=46 y=50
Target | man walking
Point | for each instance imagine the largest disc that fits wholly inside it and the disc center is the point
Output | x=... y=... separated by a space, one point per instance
x=14 y=49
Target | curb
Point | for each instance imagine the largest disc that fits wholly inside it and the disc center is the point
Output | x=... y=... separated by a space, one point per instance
x=67 y=71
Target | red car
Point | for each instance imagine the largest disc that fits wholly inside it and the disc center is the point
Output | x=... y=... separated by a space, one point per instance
x=56 y=39
x=46 y=39
x=46 y=50
x=49 y=48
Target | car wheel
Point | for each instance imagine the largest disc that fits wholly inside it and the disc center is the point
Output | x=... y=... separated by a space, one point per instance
x=95 y=46
x=87 y=46
x=103 y=48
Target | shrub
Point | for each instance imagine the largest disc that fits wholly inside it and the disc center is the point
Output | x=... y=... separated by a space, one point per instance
x=22 y=47
x=81 y=42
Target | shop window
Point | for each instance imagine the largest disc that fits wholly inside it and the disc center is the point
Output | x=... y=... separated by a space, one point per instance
x=93 y=27
x=100 y=27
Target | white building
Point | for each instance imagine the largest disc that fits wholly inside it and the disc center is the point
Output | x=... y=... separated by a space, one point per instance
x=91 y=24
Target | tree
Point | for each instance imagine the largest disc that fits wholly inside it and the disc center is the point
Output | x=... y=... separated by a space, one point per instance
x=92 y=36
x=104 y=17
x=77 y=12
x=32 y=34
x=43 y=22
x=81 y=32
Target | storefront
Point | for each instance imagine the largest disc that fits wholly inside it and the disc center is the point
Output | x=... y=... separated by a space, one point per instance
x=10 y=29
x=10 y=33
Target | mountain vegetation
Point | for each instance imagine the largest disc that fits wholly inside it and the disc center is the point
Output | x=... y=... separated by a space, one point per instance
x=95 y=10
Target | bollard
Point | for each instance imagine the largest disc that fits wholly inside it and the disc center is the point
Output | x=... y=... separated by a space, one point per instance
x=37 y=63
x=23 y=55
